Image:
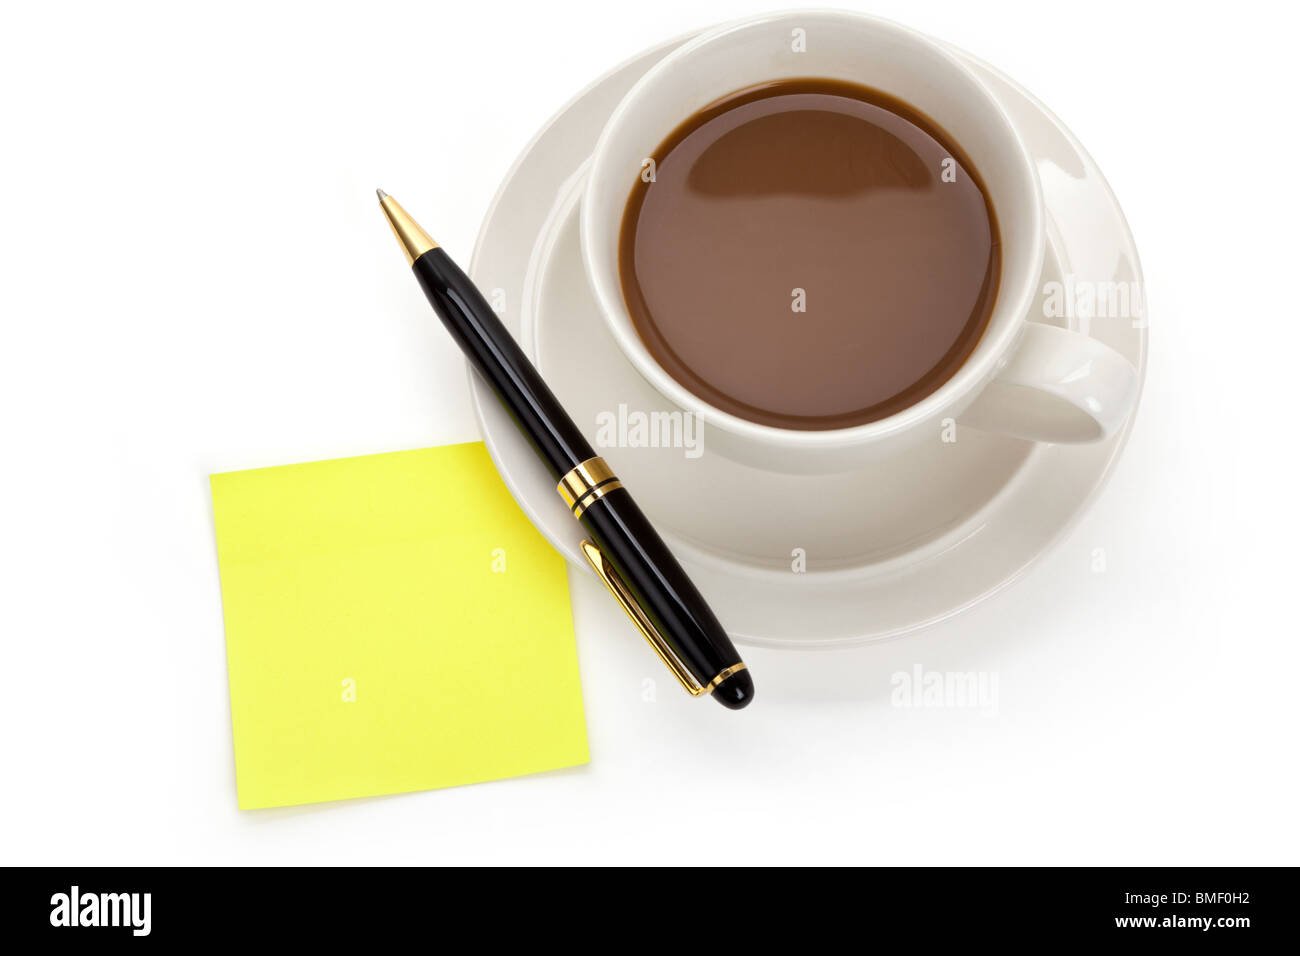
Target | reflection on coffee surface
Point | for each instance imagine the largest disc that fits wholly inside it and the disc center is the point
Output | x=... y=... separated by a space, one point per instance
x=810 y=254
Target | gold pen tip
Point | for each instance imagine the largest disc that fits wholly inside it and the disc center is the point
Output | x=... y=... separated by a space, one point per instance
x=415 y=241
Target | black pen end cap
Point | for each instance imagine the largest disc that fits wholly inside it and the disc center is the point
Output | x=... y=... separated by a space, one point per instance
x=736 y=691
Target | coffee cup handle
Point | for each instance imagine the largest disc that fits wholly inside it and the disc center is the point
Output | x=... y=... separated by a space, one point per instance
x=1058 y=386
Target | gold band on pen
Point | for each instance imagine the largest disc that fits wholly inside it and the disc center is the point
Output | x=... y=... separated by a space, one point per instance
x=723 y=675
x=585 y=483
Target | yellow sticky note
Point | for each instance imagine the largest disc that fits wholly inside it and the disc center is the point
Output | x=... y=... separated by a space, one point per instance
x=393 y=623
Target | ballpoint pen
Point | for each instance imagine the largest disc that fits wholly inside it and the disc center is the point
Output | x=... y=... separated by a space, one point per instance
x=624 y=549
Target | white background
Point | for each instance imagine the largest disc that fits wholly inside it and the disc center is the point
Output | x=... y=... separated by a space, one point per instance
x=194 y=277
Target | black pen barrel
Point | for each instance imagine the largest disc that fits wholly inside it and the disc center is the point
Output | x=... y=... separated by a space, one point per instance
x=616 y=524
x=663 y=589
x=498 y=358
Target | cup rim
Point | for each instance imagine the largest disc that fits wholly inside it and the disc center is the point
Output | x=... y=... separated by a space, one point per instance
x=994 y=343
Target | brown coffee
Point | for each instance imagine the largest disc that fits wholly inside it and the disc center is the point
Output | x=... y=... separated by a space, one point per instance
x=810 y=254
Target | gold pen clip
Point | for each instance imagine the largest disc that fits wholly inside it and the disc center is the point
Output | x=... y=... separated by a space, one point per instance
x=582 y=486
x=605 y=571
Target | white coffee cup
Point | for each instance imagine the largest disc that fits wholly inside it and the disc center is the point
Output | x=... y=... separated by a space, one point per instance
x=1024 y=378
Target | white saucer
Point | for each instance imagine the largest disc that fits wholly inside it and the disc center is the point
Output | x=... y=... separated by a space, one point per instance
x=887 y=550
